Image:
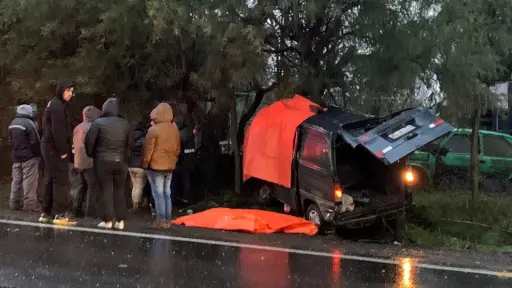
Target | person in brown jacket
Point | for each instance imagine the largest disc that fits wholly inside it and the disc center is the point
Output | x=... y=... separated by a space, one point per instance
x=84 y=187
x=159 y=155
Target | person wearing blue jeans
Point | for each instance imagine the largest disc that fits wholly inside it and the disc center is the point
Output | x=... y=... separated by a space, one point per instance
x=159 y=155
x=161 y=190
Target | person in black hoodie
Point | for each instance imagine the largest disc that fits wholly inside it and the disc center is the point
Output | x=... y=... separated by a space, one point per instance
x=108 y=142
x=137 y=174
x=56 y=150
x=186 y=159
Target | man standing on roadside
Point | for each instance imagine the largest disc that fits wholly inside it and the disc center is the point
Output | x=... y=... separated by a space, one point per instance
x=56 y=150
x=187 y=157
x=26 y=152
x=85 y=185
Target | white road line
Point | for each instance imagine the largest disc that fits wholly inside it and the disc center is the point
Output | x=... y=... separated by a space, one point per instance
x=261 y=247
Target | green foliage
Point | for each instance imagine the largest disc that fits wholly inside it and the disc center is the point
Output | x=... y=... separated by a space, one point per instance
x=367 y=54
x=474 y=48
x=453 y=220
x=489 y=210
x=335 y=50
x=138 y=50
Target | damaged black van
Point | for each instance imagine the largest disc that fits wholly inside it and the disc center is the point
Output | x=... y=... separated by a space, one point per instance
x=351 y=168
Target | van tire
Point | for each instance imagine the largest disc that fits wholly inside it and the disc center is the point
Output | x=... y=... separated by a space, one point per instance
x=314 y=215
x=264 y=193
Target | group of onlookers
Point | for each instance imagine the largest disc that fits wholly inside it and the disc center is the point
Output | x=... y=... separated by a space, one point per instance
x=103 y=150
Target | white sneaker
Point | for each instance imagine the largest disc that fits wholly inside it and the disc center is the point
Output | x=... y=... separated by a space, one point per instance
x=45 y=218
x=119 y=225
x=106 y=225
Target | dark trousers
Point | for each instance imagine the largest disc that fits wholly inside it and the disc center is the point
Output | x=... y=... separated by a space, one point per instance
x=56 y=182
x=185 y=177
x=84 y=189
x=40 y=181
x=111 y=177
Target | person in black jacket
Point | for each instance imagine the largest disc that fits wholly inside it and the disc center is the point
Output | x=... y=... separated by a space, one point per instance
x=26 y=152
x=137 y=174
x=108 y=142
x=186 y=159
x=56 y=150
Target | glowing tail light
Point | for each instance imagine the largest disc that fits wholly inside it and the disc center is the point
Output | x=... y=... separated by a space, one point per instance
x=338 y=192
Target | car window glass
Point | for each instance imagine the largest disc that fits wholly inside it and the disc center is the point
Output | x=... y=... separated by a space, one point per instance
x=459 y=143
x=434 y=144
x=439 y=140
x=315 y=152
x=497 y=146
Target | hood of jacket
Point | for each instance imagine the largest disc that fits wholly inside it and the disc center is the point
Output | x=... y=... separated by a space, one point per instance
x=138 y=133
x=162 y=113
x=179 y=121
x=61 y=87
x=90 y=113
x=141 y=126
x=25 y=111
x=110 y=108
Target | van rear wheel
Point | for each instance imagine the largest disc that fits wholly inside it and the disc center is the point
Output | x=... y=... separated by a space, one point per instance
x=264 y=193
x=314 y=215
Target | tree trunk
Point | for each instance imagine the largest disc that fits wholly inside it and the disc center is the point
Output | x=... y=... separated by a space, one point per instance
x=509 y=98
x=247 y=116
x=234 y=145
x=475 y=149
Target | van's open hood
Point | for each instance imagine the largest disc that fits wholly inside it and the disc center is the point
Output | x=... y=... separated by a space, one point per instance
x=395 y=136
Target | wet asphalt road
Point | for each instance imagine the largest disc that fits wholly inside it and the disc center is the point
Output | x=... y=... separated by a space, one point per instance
x=48 y=257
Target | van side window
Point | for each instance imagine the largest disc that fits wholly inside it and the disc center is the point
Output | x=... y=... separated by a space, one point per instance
x=315 y=150
x=497 y=146
x=459 y=143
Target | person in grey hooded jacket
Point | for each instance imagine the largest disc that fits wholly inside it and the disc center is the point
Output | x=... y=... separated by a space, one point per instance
x=24 y=141
x=84 y=180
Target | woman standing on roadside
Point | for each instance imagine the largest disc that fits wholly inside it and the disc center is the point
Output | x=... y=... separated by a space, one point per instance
x=108 y=142
x=159 y=155
x=137 y=174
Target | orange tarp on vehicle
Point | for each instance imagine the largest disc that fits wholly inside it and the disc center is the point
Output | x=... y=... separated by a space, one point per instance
x=268 y=143
x=249 y=220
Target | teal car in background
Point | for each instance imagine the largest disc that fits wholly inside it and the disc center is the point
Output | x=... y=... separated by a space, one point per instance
x=450 y=155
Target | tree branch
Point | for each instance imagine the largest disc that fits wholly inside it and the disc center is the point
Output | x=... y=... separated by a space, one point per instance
x=260 y=94
x=279 y=51
x=269 y=88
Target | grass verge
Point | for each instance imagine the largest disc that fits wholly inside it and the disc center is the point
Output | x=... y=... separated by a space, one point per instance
x=444 y=219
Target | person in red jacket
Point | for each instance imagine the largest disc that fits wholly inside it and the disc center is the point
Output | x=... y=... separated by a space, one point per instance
x=56 y=150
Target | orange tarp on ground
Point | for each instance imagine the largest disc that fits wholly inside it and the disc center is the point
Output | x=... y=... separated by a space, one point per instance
x=268 y=143
x=249 y=220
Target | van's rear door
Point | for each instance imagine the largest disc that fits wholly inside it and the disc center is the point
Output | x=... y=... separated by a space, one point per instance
x=395 y=136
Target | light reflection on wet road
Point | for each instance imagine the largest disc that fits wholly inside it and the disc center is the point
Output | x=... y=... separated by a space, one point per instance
x=45 y=257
